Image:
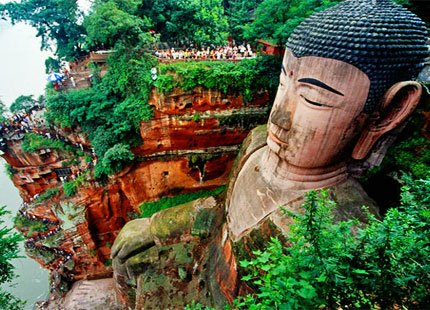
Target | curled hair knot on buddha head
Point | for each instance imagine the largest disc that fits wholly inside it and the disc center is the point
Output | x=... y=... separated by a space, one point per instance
x=384 y=40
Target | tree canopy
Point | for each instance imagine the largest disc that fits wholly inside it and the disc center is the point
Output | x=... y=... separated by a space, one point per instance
x=58 y=23
x=202 y=22
x=23 y=103
x=112 y=21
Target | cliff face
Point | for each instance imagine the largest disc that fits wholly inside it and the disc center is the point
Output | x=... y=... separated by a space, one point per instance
x=189 y=145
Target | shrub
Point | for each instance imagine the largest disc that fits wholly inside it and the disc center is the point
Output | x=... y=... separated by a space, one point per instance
x=117 y=158
x=32 y=142
x=111 y=110
x=10 y=171
x=385 y=264
x=244 y=77
x=49 y=193
x=8 y=250
x=70 y=188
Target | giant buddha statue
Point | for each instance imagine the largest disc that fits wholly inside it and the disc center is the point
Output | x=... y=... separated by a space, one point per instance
x=346 y=81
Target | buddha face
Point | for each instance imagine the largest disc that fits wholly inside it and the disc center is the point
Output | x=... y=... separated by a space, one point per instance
x=317 y=113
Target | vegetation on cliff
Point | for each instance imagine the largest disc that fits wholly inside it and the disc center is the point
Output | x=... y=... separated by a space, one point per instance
x=8 y=250
x=245 y=77
x=111 y=110
x=32 y=142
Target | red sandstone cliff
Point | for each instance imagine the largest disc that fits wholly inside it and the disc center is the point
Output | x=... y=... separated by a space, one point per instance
x=189 y=145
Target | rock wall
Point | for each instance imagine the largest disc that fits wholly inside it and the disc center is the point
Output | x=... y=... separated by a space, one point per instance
x=189 y=145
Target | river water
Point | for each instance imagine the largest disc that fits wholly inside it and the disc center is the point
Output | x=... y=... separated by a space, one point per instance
x=22 y=72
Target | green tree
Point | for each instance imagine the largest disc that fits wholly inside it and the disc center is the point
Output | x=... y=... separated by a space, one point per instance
x=8 y=250
x=56 y=21
x=240 y=13
x=275 y=20
x=210 y=23
x=22 y=103
x=202 y=22
x=52 y=65
x=112 y=21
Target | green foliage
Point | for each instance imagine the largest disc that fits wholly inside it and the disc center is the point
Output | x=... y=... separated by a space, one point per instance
x=347 y=265
x=245 y=77
x=117 y=158
x=30 y=224
x=112 y=21
x=197 y=306
x=275 y=20
x=111 y=110
x=22 y=103
x=149 y=208
x=8 y=250
x=10 y=302
x=202 y=22
x=240 y=13
x=52 y=65
x=70 y=188
x=32 y=142
x=56 y=21
x=10 y=171
x=49 y=193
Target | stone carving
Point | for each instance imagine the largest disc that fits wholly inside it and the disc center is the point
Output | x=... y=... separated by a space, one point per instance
x=346 y=80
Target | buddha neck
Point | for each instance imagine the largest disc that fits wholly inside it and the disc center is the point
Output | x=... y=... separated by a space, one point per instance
x=279 y=172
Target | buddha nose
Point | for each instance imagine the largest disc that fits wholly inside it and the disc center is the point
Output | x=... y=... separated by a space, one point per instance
x=281 y=119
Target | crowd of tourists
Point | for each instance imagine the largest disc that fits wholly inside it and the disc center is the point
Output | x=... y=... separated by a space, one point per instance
x=19 y=123
x=231 y=51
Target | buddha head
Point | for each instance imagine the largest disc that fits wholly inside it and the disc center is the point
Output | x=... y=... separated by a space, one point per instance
x=346 y=79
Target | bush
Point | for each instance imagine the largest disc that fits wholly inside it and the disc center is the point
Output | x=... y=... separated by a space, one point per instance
x=245 y=77
x=32 y=142
x=10 y=171
x=150 y=208
x=30 y=224
x=8 y=250
x=49 y=193
x=70 y=188
x=117 y=158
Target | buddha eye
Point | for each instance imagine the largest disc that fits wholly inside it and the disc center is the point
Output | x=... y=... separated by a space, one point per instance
x=314 y=103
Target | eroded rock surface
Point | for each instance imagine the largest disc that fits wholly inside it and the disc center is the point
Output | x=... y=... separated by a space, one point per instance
x=186 y=148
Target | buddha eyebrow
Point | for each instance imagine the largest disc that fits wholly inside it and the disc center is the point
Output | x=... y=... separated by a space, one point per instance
x=320 y=84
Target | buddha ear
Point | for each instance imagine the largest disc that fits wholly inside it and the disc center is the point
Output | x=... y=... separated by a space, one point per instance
x=397 y=104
